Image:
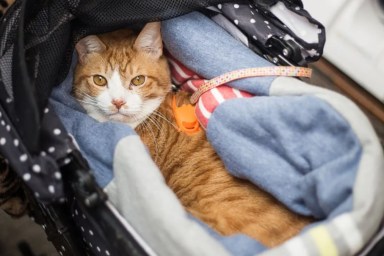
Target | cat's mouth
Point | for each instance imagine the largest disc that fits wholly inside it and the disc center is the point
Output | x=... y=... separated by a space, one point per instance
x=132 y=120
x=123 y=117
x=119 y=114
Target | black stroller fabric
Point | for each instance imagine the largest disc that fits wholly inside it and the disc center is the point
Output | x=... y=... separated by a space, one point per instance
x=38 y=38
x=270 y=36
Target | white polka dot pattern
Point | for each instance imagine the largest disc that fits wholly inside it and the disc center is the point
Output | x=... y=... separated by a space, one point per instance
x=36 y=168
x=51 y=189
x=23 y=157
x=260 y=25
x=27 y=177
x=39 y=171
x=58 y=175
x=91 y=239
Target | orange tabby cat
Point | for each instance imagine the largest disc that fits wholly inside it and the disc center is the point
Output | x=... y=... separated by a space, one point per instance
x=122 y=76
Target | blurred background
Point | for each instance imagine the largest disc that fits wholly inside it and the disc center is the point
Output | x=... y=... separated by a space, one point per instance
x=355 y=39
x=19 y=235
x=353 y=59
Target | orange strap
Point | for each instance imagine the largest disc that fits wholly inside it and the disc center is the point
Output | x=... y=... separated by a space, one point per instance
x=250 y=72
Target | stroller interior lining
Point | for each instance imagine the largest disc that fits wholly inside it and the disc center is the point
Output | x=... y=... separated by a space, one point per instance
x=344 y=233
x=135 y=184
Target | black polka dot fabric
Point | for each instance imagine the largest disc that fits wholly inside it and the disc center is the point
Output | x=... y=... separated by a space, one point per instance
x=270 y=35
x=40 y=170
x=34 y=142
x=95 y=243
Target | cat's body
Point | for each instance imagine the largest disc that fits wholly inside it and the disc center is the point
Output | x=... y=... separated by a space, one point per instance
x=195 y=173
x=189 y=164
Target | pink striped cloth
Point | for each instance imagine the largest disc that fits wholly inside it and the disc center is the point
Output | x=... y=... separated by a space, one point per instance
x=189 y=81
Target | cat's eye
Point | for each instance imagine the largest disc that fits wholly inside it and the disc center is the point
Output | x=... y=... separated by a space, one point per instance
x=138 y=80
x=99 y=80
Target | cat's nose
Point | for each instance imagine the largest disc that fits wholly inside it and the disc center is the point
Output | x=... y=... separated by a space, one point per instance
x=118 y=103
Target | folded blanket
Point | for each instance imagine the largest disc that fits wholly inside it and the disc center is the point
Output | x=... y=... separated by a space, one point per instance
x=305 y=145
x=313 y=149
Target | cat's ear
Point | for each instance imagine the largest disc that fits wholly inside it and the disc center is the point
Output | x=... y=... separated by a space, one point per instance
x=149 y=40
x=87 y=45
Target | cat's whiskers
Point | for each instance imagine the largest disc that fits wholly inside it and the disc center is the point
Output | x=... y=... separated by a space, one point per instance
x=158 y=114
x=87 y=99
x=94 y=104
x=147 y=127
x=90 y=100
x=86 y=95
x=154 y=121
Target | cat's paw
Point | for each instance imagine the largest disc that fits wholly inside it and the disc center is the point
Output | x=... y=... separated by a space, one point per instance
x=4 y=5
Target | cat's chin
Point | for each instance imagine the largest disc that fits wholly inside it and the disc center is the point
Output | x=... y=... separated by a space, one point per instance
x=120 y=117
x=131 y=120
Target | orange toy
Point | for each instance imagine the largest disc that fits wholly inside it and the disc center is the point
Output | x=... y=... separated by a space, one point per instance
x=185 y=118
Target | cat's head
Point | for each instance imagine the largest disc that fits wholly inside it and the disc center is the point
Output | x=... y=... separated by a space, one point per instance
x=122 y=76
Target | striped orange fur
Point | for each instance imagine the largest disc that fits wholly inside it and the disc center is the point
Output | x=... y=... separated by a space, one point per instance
x=189 y=164
x=198 y=177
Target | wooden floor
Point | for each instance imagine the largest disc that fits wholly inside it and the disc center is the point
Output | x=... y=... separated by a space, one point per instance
x=15 y=232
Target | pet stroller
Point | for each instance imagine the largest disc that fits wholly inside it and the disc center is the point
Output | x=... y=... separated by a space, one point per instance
x=45 y=139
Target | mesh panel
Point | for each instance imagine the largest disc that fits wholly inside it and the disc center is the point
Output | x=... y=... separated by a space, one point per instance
x=8 y=33
x=115 y=12
x=6 y=75
x=8 y=27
